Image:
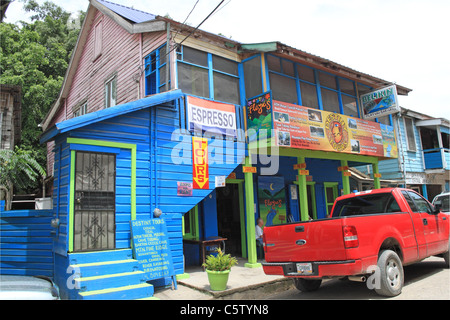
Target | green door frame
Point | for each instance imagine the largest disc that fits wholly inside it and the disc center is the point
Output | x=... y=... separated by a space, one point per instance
x=100 y=143
x=333 y=185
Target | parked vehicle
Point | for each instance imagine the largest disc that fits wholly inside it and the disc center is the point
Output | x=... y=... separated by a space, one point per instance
x=27 y=288
x=370 y=236
x=441 y=201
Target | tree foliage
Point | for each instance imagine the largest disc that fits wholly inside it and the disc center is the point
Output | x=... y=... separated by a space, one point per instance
x=18 y=168
x=35 y=55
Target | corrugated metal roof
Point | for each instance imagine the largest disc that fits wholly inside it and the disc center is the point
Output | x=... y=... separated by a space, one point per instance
x=131 y=14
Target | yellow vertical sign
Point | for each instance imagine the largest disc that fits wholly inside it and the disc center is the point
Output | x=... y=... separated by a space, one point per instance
x=200 y=173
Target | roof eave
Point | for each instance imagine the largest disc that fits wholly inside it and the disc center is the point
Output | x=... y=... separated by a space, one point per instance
x=104 y=114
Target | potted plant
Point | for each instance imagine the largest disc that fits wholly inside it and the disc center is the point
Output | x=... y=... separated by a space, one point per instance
x=218 y=268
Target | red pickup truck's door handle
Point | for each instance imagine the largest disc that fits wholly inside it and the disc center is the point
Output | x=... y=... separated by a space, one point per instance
x=425 y=222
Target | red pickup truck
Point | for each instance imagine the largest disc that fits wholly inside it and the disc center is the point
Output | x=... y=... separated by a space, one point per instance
x=369 y=237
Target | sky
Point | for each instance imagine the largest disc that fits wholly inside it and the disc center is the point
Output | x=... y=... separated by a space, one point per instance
x=401 y=41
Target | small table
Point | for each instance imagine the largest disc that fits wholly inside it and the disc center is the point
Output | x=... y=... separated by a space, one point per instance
x=204 y=243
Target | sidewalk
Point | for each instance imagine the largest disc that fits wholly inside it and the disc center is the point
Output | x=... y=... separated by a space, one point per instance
x=244 y=284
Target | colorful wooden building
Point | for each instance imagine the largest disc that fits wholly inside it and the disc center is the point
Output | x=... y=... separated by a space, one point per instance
x=423 y=163
x=158 y=117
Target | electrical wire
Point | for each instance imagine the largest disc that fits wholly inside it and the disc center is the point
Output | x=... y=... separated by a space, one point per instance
x=209 y=15
x=177 y=45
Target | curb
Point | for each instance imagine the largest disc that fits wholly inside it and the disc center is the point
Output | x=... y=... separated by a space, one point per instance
x=251 y=292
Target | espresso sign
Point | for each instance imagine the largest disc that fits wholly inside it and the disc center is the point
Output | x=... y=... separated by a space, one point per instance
x=151 y=247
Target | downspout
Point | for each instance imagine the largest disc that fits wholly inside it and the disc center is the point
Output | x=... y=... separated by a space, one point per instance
x=168 y=51
x=400 y=145
x=141 y=62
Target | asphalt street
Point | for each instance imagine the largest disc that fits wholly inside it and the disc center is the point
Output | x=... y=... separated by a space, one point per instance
x=426 y=280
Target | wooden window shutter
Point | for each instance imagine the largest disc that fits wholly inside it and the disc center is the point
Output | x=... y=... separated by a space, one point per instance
x=98 y=33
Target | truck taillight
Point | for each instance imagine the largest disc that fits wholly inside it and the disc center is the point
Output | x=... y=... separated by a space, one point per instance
x=350 y=237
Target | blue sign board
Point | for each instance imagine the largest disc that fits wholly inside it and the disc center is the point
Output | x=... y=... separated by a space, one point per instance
x=151 y=248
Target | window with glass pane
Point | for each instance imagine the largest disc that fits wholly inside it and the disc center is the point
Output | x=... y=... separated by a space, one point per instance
x=195 y=56
x=309 y=95
x=273 y=63
x=155 y=71
x=410 y=134
x=350 y=106
x=327 y=80
x=283 y=88
x=253 y=81
x=110 y=93
x=194 y=70
x=226 y=88
x=306 y=73
x=288 y=67
x=384 y=120
x=363 y=89
x=193 y=80
x=225 y=65
x=82 y=109
x=330 y=100
x=347 y=86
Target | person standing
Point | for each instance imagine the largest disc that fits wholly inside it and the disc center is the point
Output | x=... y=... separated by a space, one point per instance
x=259 y=238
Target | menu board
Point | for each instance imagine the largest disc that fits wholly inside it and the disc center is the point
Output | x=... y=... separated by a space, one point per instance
x=307 y=128
x=151 y=247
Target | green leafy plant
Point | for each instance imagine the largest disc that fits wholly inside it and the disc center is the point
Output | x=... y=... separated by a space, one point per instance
x=219 y=262
x=18 y=168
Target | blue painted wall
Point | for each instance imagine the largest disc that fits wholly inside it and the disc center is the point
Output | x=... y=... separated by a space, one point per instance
x=164 y=157
x=26 y=243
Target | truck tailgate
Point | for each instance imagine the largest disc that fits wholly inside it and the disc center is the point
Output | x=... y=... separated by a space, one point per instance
x=320 y=240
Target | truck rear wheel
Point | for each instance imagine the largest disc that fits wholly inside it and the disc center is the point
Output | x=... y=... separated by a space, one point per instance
x=391 y=274
x=307 y=285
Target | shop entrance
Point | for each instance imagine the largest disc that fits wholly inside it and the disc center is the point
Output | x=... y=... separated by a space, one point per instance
x=229 y=218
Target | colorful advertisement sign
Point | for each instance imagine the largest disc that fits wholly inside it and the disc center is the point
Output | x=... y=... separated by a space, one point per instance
x=272 y=200
x=200 y=173
x=211 y=116
x=380 y=103
x=307 y=128
x=259 y=116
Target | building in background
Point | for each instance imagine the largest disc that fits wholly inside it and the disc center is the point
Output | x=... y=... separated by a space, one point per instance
x=423 y=163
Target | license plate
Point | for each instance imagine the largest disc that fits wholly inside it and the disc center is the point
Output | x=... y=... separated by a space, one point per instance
x=304 y=268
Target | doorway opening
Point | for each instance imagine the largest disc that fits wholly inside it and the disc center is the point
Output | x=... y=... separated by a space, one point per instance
x=229 y=222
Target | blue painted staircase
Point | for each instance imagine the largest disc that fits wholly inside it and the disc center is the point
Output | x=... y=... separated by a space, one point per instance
x=108 y=275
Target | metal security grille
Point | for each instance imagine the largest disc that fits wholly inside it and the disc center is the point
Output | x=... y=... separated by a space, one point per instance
x=94 y=208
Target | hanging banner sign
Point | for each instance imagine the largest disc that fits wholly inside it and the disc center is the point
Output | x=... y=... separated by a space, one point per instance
x=307 y=128
x=200 y=174
x=211 y=116
x=380 y=103
x=259 y=117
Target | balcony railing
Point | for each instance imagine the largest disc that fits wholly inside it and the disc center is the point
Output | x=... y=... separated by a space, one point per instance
x=438 y=158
